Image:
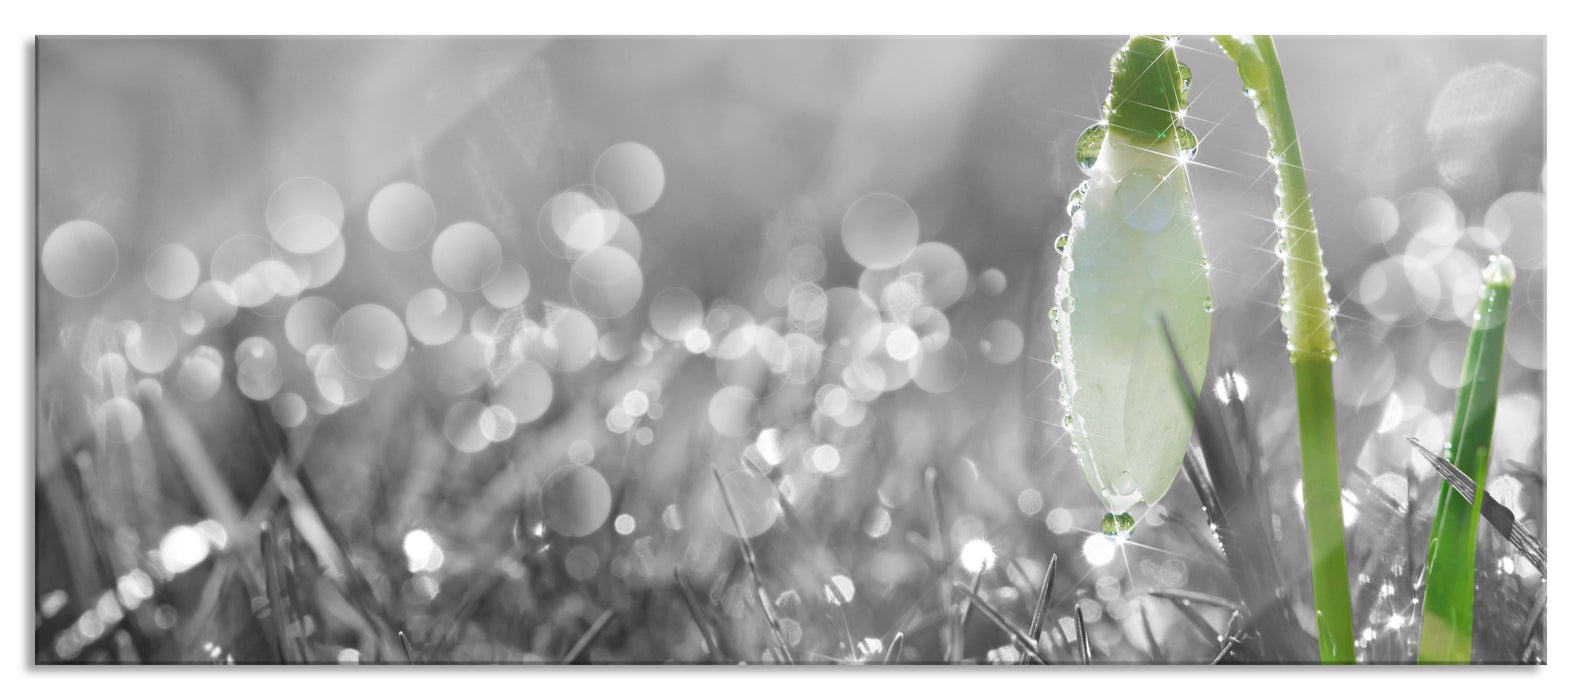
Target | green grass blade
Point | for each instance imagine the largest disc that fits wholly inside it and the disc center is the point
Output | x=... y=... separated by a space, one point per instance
x=1452 y=548
x=1305 y=313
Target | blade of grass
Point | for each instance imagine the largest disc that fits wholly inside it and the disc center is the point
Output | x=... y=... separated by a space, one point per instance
x=1448 y=577
x=1503 y=520
x=892 y=656
x=406 y=646
x=587 y=637
x=1239 y=517
x=1019 y=638
x=764 y=600
x=1305 y=313
x=1155 y=654
x=1041 y=609
x=1084 y=652
x=710 y=639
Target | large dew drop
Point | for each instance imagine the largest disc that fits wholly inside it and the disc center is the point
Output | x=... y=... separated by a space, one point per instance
x=79 y=258
x=1118 y=527
x=1146 y=201
x=1089 y=143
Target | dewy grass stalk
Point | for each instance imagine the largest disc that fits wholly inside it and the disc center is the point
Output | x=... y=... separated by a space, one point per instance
x=1452 y=548
x=1307 y=317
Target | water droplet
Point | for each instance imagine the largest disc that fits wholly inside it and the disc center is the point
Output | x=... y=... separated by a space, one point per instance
x=1186 y=77
x=1089 y=143
x=1068 y=304
x=1062 y=241
x=1186 y=141
x=1118 y=527
x=1074 y=202
x=1208 y=304
x=1149 y=203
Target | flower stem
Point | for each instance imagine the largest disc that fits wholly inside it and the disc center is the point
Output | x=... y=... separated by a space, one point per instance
x=1305 y=313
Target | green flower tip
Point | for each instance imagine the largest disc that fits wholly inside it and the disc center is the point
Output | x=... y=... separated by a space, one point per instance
x=1145 y=74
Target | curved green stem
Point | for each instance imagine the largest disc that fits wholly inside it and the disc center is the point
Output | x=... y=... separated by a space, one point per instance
x=1305 y=313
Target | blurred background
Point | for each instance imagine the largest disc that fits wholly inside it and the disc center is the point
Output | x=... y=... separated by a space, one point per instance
x=444 y=350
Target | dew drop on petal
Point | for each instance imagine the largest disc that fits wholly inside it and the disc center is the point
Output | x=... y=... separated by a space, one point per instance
x=1089 y=143
x=1146 y=201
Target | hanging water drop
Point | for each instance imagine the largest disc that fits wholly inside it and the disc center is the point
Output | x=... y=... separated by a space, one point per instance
x=1118 y=527
x=1074 y=202
x=1060 y=242
x=1088 y=145
x=1186 y=78
x=1186 y=141
x=1208 y=304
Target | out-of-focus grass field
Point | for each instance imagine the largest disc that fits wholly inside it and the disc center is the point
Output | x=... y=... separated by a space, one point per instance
x=813 y=274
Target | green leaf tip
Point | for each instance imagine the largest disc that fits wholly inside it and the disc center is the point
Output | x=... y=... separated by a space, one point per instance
x=1144 y=75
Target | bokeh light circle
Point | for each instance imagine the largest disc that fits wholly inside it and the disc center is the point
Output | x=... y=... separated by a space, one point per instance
x=433 y=316
x=370 y=341
x=576 y=501
x=879 y=230
x=632 y=174
x=79 y=258
x=401 y=216
x=172 y=271
x=466 y=256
